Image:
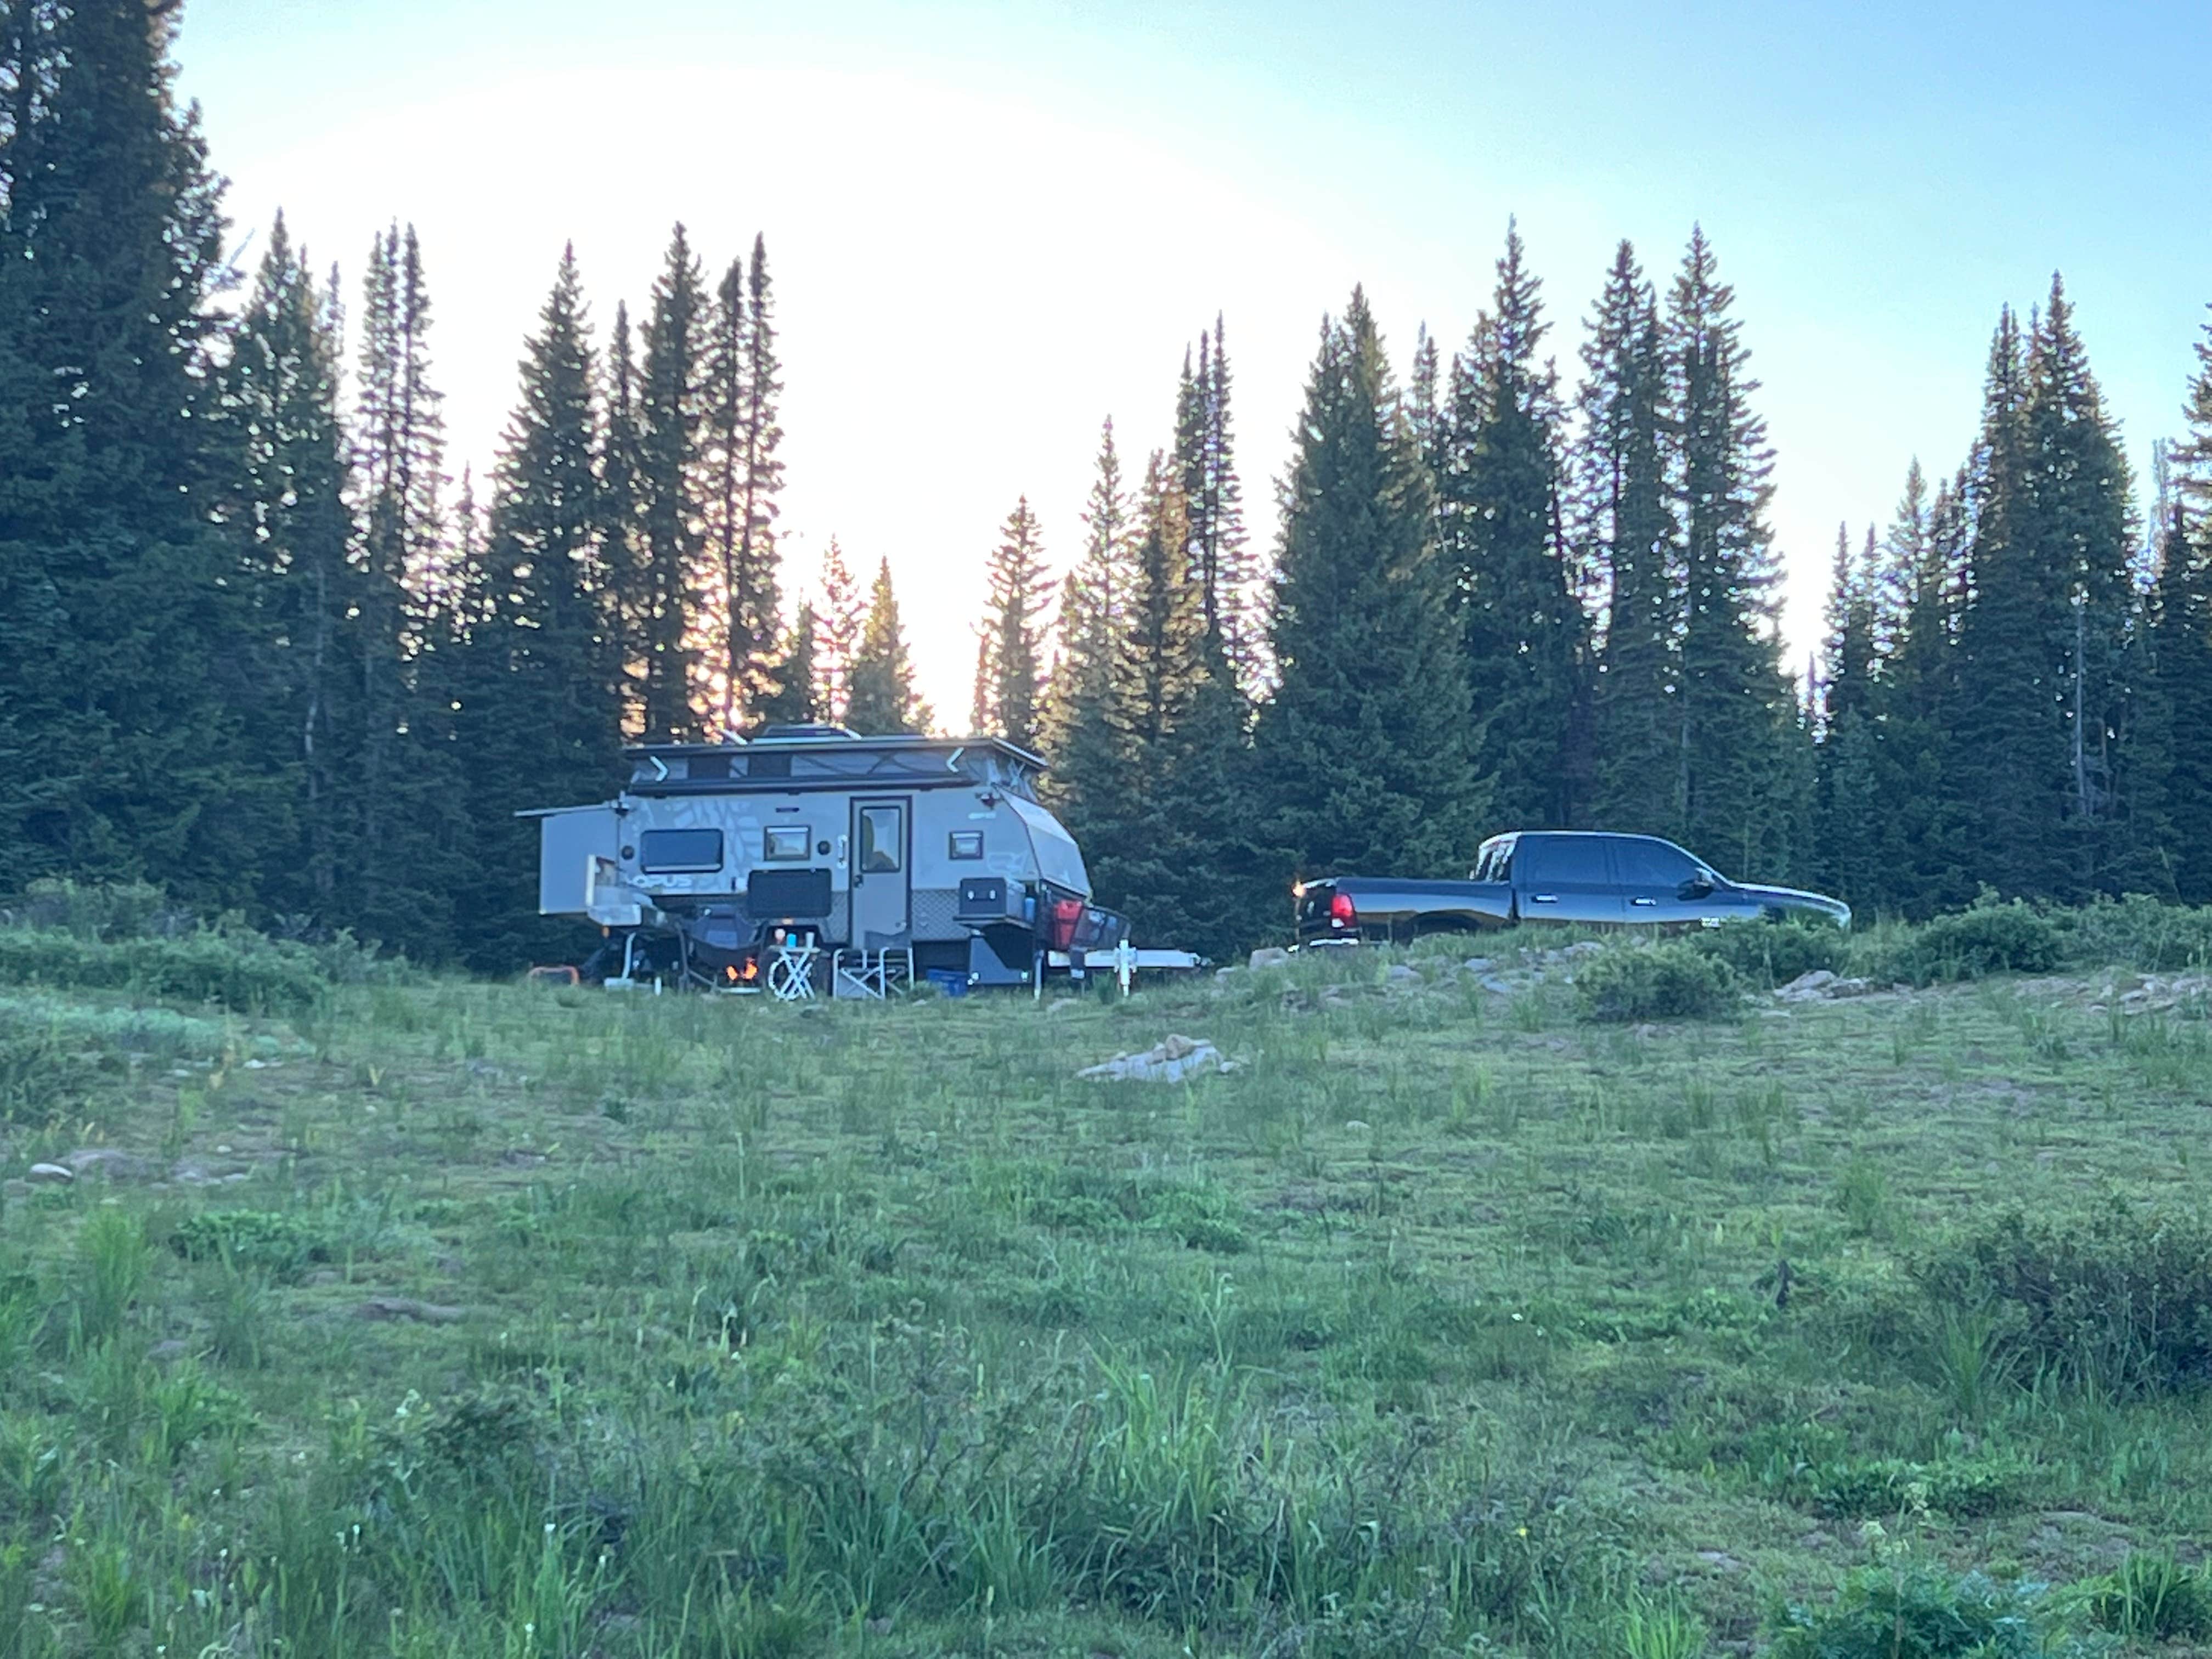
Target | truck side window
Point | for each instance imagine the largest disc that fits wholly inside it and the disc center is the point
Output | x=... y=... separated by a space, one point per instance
x=1560 y=861
x=1652 y=864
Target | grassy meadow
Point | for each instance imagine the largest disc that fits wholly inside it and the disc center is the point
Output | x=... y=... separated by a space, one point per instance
x=394 y=1315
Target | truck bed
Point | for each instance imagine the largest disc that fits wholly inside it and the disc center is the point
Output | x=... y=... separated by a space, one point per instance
x=1391 y=907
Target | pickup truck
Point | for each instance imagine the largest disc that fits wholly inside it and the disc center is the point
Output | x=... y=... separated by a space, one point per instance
x=1579 y=876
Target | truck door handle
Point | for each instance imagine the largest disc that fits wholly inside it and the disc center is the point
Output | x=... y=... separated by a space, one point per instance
x=1643 y=901
x=1543 y=898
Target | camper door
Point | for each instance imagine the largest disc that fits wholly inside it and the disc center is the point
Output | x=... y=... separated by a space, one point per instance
x=881 y=873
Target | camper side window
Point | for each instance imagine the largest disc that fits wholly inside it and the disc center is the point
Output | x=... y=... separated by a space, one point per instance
x=966 y=844
x=680 y=852
x=785 y=843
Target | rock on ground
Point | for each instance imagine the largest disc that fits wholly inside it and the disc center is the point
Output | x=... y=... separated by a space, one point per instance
x=1270 y=956
x=1169 y=1061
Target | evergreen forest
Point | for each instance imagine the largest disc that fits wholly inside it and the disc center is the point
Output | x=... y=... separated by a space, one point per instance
x=259 y=645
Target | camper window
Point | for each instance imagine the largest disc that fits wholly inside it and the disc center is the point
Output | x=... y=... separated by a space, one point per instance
x=966 y=844
x=680 y=852
x=787 y=843
x=881 y=833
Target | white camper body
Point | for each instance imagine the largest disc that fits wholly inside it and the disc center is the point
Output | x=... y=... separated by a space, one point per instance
x=933 y=846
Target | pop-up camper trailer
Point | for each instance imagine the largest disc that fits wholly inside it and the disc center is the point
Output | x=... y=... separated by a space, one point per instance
x=811 y=849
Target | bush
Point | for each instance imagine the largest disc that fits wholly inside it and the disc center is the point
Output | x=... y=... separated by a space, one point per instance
x=40 y=1078
x=2120 y=1298
x=271 y=1240
x=1920 y=1611
x=1989 y=939
x=1771 y=953
x=1665 y=981
x=2152 y=1597
x=2136 y=931
x=243 y=972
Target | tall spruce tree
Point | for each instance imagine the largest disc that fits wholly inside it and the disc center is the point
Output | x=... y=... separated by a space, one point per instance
x=837 y=625
x=278 y=394
x=1741 y=766
x=880 y=699
x=1364 y=753
x=1010 y=673
x=668 y=498
x=626 y=602
x=111 y=460
x=1625 y=535
x=400 y=787
x=1499 y=530
x=1852 y=848
x=2181 y=618
x=797 y=698
x=2039 y=640
x=548 y=721
x=1078 y=736
x=739 y=438
x=1213 y=512
x=2081 y=521
x=1166 y=842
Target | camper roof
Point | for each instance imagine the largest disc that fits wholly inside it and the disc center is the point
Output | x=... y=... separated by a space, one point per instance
x=823 y=756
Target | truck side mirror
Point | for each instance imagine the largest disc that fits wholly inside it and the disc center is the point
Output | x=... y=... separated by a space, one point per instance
x=1696 y=888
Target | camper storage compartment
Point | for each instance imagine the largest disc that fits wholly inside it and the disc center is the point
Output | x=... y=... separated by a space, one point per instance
x=986 y=900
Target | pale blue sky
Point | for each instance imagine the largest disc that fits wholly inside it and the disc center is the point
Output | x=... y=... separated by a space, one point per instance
x=993 y=225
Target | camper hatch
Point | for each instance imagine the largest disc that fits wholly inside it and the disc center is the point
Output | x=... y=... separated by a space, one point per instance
x=882 y=856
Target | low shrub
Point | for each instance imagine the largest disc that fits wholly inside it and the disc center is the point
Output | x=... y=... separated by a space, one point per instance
x=2136 y=931
x=1665 y=981
x=1857 y=1488
x=1921 y=1611
x=1766 y=954
x=270 y=1241
x=2122 y=1297
x=2151 y=1597
x=40 y=1077
x=1989 y=939
x=243 y=972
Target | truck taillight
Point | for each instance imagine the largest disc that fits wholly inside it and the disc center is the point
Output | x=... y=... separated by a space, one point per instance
x=1067 y=915
x=1340 y=912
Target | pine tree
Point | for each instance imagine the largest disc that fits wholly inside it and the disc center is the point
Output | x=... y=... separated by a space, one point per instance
x=626 y=604
x=547 y=720
x=1077 y=736
x=880 y=699
x=1524 y=629
x=2181 y=622
x=397 y=789
x=1740 y=760
x=798 y=698
x=1009 y=671
x=278 y=394
x=1851 y=852
x=2080 y=492
x=112 y=457
x=668 y=492
x=1363 y=754
x=837 y=630
x=1625 y=535
x=2039 y=643
x=1424 y=394
x=1205 y=465
x=1163 y=843
x=740 y=392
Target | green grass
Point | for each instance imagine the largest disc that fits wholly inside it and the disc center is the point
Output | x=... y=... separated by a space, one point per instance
x=553 y=1322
